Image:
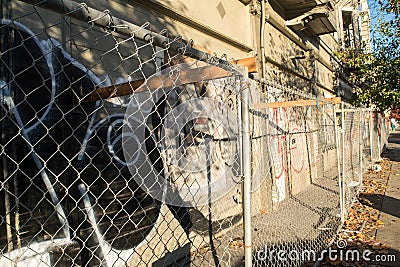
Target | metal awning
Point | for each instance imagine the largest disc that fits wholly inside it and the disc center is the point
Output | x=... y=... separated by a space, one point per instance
x=316 y=21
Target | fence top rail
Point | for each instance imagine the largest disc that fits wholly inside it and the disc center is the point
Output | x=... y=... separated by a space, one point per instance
x=104 y=19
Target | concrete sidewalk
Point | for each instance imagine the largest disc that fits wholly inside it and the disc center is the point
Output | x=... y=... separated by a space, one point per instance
x=390 y=204
x=376 y=214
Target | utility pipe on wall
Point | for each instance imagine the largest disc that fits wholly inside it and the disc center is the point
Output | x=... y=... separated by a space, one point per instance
x=262 y=38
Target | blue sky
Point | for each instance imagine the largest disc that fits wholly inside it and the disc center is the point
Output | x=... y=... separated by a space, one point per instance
x=376 y=16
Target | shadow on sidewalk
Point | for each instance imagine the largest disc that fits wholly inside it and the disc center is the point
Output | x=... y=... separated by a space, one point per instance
x=392 y=151
x=394 y=137
x=375 y=201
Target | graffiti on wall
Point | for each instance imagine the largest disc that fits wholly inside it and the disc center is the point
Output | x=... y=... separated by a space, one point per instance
x=66 y=180
x=294 y=147
x=57 y=153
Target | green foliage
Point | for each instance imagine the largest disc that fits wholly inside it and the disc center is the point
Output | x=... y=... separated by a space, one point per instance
x=376 y=79
x=376 y=75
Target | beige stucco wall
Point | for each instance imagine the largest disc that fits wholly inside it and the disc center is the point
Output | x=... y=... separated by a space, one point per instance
x=98 y=52
x=229 y=17
x=234 y=22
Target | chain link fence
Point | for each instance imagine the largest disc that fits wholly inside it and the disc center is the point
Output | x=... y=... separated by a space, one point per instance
x=123 y=146
x=305 y=212
x=351 y=153
x=379 y=134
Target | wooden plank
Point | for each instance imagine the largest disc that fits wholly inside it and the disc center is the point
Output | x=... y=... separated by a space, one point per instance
x=113 y=91
x=156 y=82
x=295 y=103
x=284 y=104
x=333 y=100
x=250 y=63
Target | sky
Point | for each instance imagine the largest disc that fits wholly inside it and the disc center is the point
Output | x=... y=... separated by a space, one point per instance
x=376 y=16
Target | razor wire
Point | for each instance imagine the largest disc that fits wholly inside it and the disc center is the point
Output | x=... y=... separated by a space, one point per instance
x=122 y=146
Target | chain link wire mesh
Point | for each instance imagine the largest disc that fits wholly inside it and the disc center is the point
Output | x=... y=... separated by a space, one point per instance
x=122 y=146
x=380 y=133
x=303 y=217
x=94 y=175
x=351 y=157
x=366 y=129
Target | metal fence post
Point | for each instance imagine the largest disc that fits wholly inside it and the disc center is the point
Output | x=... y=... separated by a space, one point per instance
x=370 y=135
x=338 y=159
x=268 y=134
x=379 y=137
x=361 y=147
x=244 y=95
x=343 y=184
x=240 y=132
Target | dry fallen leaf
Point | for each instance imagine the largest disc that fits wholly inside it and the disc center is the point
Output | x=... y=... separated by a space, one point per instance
x=263 y=211
x=236 y=244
